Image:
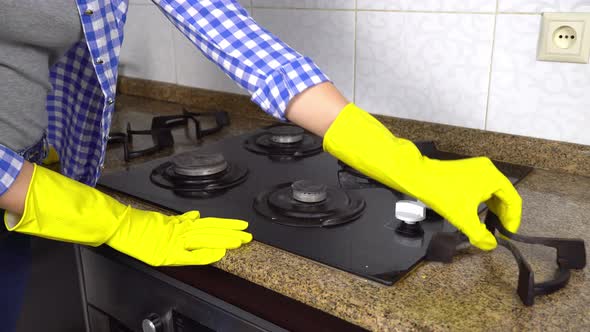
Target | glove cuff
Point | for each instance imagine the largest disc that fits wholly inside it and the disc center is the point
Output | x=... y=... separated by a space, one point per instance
x=59 y=208
x=361 y=141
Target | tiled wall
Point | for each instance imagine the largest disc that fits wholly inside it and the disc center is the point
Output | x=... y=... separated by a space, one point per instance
x=470 y=63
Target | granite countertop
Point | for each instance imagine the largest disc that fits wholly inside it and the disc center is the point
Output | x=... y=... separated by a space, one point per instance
x=476 y=292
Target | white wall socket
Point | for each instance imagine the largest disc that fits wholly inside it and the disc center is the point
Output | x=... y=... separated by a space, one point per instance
x=565 y=37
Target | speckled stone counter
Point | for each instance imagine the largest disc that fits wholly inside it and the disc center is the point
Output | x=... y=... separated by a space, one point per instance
x=475 y=292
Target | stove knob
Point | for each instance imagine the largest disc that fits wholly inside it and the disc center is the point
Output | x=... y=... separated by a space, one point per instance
x=152 y=323
x=410 y=212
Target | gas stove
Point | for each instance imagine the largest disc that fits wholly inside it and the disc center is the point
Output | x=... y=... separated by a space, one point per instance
x=297 y=198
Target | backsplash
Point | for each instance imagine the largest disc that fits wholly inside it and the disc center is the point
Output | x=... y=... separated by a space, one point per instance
x=468 y=63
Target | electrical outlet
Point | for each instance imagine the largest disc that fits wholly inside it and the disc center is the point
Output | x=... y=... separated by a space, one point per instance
x=565 y=37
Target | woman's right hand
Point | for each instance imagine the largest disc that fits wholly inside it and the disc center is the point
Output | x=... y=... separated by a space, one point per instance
x=157 y=239
x=59 y=208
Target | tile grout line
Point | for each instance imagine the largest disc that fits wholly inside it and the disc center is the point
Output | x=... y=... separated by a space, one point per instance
x=402 y=11
x=485 y=124
x=424 y=11
x=175 y=52
x=354 y=52
x=379 y=10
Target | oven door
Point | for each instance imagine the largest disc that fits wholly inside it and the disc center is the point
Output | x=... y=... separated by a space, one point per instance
x=121 y=298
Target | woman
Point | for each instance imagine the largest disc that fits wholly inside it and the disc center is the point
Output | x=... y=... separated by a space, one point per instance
x=58 y=68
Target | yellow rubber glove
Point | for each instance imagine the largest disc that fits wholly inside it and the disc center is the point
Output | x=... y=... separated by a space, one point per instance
x=454 y=189
x=52 y=157
x=62 y=209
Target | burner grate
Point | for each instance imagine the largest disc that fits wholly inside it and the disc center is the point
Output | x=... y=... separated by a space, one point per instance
x=161 y=131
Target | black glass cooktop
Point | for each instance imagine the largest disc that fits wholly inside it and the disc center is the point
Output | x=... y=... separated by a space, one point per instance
x=296 y=201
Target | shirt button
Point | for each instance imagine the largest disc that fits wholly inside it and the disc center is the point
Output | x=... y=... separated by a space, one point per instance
x=88 y=11
x=100 y=61
x=110 y=101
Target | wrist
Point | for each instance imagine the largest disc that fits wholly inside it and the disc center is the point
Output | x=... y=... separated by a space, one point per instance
x=13 y=200
x=316 y=108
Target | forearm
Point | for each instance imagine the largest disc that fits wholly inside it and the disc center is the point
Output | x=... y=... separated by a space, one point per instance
x=316 y=108
x=13 y=200
x=269 y=69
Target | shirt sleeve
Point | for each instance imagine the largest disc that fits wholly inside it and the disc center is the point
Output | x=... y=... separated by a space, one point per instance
x=254 y=58
x=11 y=164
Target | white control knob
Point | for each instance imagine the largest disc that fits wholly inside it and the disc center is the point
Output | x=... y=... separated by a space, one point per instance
x=410 y=212
x=152 y=323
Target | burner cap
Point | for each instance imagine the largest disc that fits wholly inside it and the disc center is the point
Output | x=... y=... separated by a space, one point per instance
x=286 y=134
x=284 y=142
x=198 y=175
x=199 y=164
x=308 y=204
x=308 y=192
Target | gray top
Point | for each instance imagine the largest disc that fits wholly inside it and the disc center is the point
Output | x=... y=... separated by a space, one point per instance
x=33 y=35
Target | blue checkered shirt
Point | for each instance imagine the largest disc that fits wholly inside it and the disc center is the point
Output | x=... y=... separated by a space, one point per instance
x=81 y=104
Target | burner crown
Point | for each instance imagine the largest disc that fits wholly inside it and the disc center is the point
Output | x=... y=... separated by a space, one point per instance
x=309 y=192
x=199 y=164
x=286 y=134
